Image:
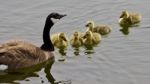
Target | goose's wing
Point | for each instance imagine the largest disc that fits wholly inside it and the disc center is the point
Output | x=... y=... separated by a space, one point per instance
x=20 y=54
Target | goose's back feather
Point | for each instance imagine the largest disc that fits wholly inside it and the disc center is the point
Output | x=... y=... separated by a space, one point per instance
x=20 y=54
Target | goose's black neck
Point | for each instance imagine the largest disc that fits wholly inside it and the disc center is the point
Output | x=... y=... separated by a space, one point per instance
x=48 y=46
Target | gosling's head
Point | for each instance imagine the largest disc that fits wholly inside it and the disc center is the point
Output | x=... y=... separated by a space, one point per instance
x=54 y=16
x=62 y=36
x=87 y=34
x=76 y=35
x=89 y=24
x=124 y=14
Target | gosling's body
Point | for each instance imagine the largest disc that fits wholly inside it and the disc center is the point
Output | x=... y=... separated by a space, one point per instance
x=127 y=18
x=91 y=38
x=102 y=29
x=60 y=40
x=76 y=40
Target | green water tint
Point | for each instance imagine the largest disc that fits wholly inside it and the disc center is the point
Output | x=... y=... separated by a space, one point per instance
x=24 y=73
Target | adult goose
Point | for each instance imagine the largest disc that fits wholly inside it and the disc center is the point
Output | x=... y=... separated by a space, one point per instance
x=19 y=54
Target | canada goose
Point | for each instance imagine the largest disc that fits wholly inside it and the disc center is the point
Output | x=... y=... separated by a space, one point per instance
x=102 y=29
x=59 y=40
x=128 y=19
x=19 y=54
x=76 y=40
x=91 y=38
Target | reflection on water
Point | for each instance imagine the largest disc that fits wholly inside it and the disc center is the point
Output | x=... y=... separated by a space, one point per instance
x=89 y=49
x=12 y=77
x=125 y=29
x=64 y=82
x=23 y=74
x=86 y=49
x=62 y=52
x=76 y=51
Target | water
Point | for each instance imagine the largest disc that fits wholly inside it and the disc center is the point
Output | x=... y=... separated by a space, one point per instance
x=118 y=59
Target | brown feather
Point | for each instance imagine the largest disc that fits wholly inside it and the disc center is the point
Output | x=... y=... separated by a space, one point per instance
x=20 y=54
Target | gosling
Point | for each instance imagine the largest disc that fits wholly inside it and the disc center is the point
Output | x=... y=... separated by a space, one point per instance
x=128 y=19
x=102 y=29
x=91 y=38
x=59 y=40
x=76 y=40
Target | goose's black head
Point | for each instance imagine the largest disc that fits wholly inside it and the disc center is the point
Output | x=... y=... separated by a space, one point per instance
x=55 y=16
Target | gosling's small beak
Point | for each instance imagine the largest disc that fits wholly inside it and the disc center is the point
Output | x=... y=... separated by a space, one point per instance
x=86 y=25
x=121 y=16
x=64 y=39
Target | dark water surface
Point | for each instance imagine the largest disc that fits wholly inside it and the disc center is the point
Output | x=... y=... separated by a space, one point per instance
x=118 y=59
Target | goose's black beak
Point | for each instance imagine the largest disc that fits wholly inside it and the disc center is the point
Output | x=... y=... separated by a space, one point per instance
x=61 y=16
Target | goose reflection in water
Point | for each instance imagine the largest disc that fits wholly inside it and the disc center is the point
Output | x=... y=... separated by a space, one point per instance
x=24 y=74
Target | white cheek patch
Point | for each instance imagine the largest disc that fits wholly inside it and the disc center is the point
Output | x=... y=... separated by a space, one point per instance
x=3 y=67
x=54 y=20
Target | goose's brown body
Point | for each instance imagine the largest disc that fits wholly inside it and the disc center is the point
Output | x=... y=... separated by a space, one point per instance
x=20 y=54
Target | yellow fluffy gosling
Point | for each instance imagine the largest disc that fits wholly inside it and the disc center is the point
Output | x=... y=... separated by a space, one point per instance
x=76 y=40
x=60 y=40
x=91 y=38
x=127 y=18
x=102 y=29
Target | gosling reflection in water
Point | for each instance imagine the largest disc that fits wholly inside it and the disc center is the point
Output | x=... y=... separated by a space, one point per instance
x=89 y=49
x=76 y=51
x=62 y=52
x=24 y=74
x=125 y=30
